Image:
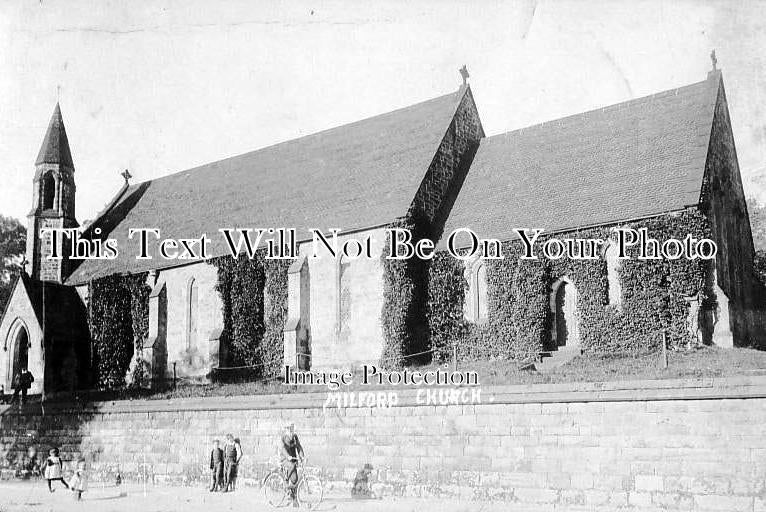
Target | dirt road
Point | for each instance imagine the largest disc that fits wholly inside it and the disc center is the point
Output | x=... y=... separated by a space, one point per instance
x=34 y=497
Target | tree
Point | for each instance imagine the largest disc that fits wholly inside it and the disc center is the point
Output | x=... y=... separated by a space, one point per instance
x=759 y=263
x=757 y=213
x=13 y=236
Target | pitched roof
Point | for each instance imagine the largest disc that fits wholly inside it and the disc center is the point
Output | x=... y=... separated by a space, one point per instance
x=55 y=147
x=360 y=175
x=631 y=160
x=58 y=309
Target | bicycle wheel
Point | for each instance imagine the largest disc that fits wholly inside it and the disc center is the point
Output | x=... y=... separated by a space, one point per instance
x=310 y=491
x=274 y=489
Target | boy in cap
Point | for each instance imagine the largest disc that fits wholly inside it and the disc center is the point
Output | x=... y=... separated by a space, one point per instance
x=216 y=467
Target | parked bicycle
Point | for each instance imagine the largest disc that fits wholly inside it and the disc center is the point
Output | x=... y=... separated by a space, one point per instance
x=309 y=490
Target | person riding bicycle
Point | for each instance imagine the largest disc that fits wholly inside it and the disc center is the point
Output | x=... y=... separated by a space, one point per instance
x=290 y=452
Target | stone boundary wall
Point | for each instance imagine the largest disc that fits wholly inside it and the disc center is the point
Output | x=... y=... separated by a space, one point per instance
x=644 y=445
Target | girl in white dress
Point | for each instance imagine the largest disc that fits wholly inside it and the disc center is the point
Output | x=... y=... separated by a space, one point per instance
x=53 y=469
x=79 y=481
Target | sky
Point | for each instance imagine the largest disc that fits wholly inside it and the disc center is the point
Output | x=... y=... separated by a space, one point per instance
x=159 y=87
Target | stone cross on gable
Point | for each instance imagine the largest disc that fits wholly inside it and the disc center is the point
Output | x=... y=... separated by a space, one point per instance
x=464 y=74
x=126 y=174
x=713 y=59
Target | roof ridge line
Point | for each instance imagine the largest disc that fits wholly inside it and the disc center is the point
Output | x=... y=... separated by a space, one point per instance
x=109 y=205
x=606 y=108
x=14 y=283
x=313 y=134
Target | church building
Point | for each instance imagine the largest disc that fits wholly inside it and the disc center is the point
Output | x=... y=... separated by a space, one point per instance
x=644 y=158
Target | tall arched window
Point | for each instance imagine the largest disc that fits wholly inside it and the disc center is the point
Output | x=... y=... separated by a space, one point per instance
x=344 y=297
x=192 y=315
x=49 y=191
x=613 y=275
x=481 y=293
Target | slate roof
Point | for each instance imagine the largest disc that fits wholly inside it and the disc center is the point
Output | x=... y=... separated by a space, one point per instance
x=55 y=146
x=60 y=307
x=627 y=161
x=357 y=176
x=57 y=306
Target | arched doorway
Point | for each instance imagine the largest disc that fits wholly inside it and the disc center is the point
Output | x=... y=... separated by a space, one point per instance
x=563 y=301
x=20 y=353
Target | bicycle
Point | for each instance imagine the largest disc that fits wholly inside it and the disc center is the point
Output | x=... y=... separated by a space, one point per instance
x=309 y=489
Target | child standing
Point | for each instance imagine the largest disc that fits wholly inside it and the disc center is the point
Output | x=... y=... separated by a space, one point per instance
x=31 y=465
x=216 y=467
x=235 y=469
x=53 y=469
x=230 y=457
x=79 y=481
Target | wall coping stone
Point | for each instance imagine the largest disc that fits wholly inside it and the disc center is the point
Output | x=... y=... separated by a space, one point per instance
x=740 y=387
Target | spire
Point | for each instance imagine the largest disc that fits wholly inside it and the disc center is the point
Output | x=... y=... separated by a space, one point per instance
x=55 y=148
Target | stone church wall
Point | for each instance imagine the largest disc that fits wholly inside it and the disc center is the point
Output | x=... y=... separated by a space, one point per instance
x=338 y=338
x=724 y=199
x=359 y=341
x=22 y=316
x=645 y=445
x=194 y=359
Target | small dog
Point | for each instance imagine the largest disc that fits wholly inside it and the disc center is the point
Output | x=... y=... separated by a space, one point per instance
x=361 y=489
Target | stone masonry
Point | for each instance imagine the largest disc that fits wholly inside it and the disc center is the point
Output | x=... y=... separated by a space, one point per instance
x=651 y=445
x=452 y=159
x=726 y=208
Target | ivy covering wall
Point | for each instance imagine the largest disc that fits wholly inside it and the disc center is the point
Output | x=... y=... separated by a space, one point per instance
x=403 y=315
x=423 y=306
x=254 y=297
x=520 y=317
x=447 y=287
x=275 y=316
x=139 y=311
x=118 y=318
